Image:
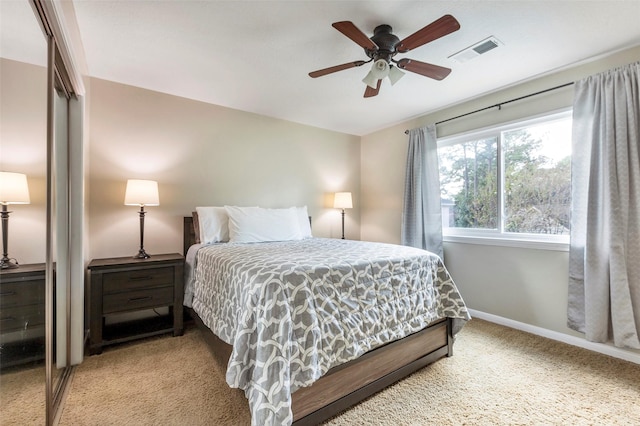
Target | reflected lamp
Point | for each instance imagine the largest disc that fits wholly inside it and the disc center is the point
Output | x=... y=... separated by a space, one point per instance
x=13 y=190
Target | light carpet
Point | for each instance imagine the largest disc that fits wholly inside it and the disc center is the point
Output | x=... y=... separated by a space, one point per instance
x=497 y=376
x=22 y=396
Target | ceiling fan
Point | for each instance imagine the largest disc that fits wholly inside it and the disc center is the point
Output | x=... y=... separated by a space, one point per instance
x=384 y=45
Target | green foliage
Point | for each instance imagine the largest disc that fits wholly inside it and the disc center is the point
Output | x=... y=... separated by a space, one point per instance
x=474 y=164
x=537 y=193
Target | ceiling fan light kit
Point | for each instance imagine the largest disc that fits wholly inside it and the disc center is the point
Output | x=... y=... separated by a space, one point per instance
x=384 y=45
x=379 y=71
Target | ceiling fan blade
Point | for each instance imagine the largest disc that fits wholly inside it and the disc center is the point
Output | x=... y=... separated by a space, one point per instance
x=350 y=30
x=428 y=70
x=438 y=28
x=336 y=68
x=369 y=92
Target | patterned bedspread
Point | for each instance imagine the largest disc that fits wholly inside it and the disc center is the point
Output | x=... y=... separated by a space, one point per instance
x=293 y=310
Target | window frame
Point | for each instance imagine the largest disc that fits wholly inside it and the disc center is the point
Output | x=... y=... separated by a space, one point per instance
x=498 y=237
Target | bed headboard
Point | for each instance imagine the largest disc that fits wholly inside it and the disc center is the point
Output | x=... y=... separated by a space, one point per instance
x=188 y=234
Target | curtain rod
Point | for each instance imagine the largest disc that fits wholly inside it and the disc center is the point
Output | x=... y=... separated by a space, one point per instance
x=499 y=105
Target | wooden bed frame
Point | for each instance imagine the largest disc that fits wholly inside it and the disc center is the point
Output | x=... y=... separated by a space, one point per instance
x=348 y=384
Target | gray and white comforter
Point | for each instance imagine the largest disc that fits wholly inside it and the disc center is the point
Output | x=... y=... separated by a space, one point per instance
x=293 y=310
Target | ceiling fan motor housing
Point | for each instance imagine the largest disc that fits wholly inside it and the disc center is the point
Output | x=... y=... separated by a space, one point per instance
x=386 y=42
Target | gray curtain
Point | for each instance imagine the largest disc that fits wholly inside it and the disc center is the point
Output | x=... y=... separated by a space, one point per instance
x=421 y=213
x=604 y=256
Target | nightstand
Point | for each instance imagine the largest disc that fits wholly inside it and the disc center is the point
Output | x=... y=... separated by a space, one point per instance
x=124 y=285
x=22 y=314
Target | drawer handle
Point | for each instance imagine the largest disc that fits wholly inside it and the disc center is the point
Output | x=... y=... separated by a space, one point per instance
x=139 y=299
x=8 y=293
x=142 y=278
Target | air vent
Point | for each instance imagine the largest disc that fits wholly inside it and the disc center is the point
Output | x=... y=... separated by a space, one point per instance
x=476 y=50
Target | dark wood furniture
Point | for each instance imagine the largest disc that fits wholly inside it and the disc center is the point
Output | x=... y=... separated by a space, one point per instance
x=346 y=385
x=22 y=314
x=125 y=284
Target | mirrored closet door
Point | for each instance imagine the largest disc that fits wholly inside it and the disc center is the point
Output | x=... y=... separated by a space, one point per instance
x=23 y=152
x=41 y=318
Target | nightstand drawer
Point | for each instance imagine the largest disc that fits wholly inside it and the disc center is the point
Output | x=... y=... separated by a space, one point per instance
x=22 y=293
x=141 y=278
x=137 y=299
x=21 y=318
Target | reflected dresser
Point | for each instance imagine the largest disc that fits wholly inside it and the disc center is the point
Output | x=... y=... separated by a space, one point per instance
x=22 y=314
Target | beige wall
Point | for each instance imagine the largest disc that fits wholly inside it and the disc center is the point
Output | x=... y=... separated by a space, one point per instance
x=525 y=285
x=23 y=149
x=203 y=154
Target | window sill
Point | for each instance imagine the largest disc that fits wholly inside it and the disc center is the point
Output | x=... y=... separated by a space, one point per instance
x=527 y=243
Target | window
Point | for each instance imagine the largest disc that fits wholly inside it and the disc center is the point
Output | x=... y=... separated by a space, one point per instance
x=509 y=182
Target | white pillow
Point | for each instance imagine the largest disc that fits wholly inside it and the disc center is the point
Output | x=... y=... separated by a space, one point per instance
x=256 y=224
x=303 y=222
x=214 y=224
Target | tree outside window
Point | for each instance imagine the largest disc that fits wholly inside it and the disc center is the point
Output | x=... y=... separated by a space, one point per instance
x=513 y=179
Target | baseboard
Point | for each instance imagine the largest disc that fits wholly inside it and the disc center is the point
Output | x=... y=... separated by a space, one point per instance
x=627 y=355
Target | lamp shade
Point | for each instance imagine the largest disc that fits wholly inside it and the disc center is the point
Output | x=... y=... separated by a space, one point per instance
x=342 y=200
x=14 y=188
x=394 y=75
x=141 y=193
x=370 y=80
x=379 y=70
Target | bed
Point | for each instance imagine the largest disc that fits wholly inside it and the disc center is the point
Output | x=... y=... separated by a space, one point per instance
x=275 y=342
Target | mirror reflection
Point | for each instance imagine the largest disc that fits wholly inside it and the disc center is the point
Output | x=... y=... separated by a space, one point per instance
x=23 y=160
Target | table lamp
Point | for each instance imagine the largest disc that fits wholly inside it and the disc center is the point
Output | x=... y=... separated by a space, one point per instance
x=141 y=193
x=342 y=200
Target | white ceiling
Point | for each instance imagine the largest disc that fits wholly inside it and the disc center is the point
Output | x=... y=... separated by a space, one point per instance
x=255 y=55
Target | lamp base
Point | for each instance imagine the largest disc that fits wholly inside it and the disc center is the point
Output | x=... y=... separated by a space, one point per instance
x=141 y=255
x=8 y=264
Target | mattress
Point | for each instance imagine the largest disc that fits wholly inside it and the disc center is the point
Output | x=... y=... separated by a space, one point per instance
x=293 y=310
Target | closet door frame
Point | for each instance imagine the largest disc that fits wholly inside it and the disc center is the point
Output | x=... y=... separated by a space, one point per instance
x=64 y=264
